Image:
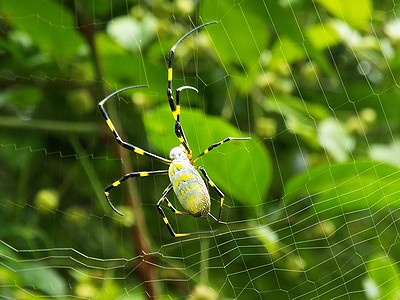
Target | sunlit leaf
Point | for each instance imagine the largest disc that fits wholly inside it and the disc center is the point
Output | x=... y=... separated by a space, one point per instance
x=388 y=153
x=286 y=51
x=384 y=274
x=346 y=187
x=335 y=140
x=322 y=36
x=132 y=34
x=356 y=13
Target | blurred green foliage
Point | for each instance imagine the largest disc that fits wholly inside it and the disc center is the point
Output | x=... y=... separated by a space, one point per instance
x=311 y=200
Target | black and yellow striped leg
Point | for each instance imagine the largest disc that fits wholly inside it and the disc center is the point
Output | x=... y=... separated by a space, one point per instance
x=165 y=219
x=117 y=136
x=176 y=112
x=215 y=145
x=169 y=204
x=171 y=61
x=178 y=126
x=125 y=177
x=219 y=192
x=175 y=107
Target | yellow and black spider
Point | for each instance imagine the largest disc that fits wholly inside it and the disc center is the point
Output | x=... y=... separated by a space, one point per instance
x=185 y=180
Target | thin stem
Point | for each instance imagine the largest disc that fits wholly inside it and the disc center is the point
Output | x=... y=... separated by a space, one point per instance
x=49 y=125
x=93 y=178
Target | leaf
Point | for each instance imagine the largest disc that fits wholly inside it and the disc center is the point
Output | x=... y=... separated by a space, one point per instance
x=356 y=13
x=285 y=51
x=346 y=187
x=388 y=153
x=229 y=41
x=241 y=169
x=123 y=68
x=50 y=26
x=43 y=277
x=37 y=275
x=239 y=50
x=335 y=140
x=132 y=34
x=269 y=239
x=21 y=96
x=322 y=36
x=300 y=115
x=384 y=273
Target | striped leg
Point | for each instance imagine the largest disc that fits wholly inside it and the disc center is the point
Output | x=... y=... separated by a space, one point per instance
x=117 y=136
x=165 y=219
x=219 y=192
x=177 y=115
x=175 y=107
x=169 y=204
x=125 y=177
x=215 y=145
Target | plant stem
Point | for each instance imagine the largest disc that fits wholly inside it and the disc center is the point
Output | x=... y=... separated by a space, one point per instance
x=49 y=125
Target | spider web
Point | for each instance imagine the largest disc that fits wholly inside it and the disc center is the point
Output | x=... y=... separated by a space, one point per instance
x=311 y=201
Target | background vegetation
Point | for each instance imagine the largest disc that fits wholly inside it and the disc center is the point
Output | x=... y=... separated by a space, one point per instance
x=312 y=201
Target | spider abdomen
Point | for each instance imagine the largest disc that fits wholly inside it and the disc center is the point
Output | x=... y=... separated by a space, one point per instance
x=189 y=188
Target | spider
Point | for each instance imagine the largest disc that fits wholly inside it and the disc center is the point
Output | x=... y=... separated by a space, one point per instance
x=185 y=179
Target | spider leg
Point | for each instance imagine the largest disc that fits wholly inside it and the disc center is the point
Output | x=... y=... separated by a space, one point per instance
x=117 y=136
x=175 y=107
x=125 y=177
x=165 y=219
x=169 y=204
x=178 y=126
x=177 y=114
x=170 y=63
x=215 y=145
x=219 y=192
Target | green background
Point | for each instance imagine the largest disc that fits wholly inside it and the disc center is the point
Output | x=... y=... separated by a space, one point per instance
x=312 y=200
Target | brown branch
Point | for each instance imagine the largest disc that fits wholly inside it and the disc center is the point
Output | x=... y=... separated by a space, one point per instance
x=140 y=238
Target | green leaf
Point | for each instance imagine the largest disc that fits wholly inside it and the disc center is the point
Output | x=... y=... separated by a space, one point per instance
x=300 y=115
x=384 y=274
x=356 y=13
x=388 y=153
x=286 y=51
x=269 y=239
x=44 y=278
x=228 y=40
x=50 y=26
x=347 y=187
x=21 y=96
x=242 y=169
x=37 y=276
x=335 y=139
x=132 y=34
x=122 y=68
x=239 y=50
x=322 y=36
